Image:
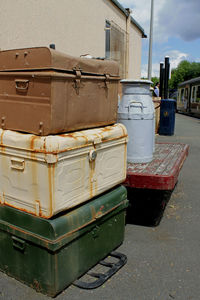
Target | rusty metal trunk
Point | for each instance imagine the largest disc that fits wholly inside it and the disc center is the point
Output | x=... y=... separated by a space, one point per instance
x=49 y=255
x=44 y=92
x=47 y=175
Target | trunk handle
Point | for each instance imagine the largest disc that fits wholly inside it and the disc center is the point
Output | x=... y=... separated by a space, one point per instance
x=21 y=84
x=18 y=243
x=17 y=164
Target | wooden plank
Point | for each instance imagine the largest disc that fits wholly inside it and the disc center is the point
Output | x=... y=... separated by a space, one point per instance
x=162 y=172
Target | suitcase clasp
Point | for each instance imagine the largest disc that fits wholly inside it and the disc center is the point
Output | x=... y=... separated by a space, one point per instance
x=92 y=155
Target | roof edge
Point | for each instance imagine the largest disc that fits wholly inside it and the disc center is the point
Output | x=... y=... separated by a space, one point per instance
x=193 y=80
x=115 y=2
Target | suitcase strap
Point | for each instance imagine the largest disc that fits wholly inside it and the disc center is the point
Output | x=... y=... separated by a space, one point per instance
x=101 y=278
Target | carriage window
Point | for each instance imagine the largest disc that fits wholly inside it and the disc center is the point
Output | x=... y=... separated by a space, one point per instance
x=182 y=95
x=198 y=94
x=193 y=94
x=186 y=92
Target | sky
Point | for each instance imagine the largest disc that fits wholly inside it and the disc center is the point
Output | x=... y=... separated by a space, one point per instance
x=176 y=31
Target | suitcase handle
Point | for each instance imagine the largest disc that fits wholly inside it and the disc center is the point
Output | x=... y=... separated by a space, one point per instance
x=17 y=164
x=21 y=84
x=18 y=243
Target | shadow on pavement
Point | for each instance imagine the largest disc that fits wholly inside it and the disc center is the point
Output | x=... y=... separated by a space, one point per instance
x=146 y=207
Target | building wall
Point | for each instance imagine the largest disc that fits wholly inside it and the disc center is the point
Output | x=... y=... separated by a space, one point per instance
x=135 y=50
x=75 y=28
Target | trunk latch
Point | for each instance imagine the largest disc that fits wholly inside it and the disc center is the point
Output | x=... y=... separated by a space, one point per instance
x=107 y=80
x=77 y=83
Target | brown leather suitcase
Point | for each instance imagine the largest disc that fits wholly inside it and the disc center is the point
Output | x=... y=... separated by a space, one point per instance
x=43 y=91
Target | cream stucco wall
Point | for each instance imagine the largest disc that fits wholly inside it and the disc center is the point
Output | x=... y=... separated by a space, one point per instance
x=135 y=50
x=75 y=26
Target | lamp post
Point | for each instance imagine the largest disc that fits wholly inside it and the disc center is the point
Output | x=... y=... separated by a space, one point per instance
x=150 y=41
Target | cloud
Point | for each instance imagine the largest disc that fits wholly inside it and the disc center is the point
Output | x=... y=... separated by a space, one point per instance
x=141 y=11
x=155 y=70
x=179 y=19
x=175 y=21
x=171 y=18
x=175 y=58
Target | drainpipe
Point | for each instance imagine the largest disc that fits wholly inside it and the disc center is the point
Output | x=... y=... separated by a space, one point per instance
x=128 y=23
x=150 y=41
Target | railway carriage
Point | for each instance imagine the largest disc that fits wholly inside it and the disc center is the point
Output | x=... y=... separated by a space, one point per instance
x=188 y=100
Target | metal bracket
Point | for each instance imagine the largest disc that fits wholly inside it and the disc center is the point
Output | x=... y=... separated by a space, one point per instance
x=41 y=128
x=77 y=81
x=107 y=78
x=3 y=122
x=103 y=277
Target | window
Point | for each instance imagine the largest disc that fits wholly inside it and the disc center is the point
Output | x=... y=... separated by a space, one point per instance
x=107 y=29
x=115 y=47
x=186 y=93
x=193 y=94
x=182 y=95
x=198 y=94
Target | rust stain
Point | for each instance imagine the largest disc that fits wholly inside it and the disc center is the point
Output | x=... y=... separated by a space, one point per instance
x=96 y=187
x=34 y=179
x=34 y=169
x=78 y=147
x=91 y=176
x=2 y=137
x=53 y=187
x=37 y=285
x=125 y=159
x=44 y=145
x=51 y=181
x=32 y=141
x=85 y=138
x=26 y=210
x=69 y=135
x=107 y=129
x=98 y=214
x=115 y=138
x=19 y=208
x=66 y=234
x=123 y=130
x=93 y=212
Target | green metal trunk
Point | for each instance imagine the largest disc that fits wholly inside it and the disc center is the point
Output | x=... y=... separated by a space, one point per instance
x=49 y=255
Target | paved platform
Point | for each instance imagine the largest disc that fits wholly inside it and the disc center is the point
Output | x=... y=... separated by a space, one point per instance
x=162 y=172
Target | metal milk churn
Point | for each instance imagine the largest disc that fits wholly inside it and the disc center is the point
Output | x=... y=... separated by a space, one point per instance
x=136 y=112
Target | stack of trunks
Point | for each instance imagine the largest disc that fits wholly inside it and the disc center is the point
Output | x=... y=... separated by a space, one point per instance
x=62 y=159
